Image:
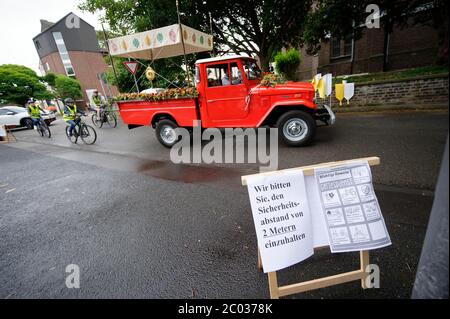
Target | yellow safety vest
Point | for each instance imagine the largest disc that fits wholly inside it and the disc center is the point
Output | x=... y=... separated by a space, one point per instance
x=73 y=113
x=35 y=111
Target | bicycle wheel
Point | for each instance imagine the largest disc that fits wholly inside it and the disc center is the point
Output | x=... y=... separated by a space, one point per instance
x=88 y=134
x=45 y=130
x=111 y=119
x=72 y=138
x=40 y=130
x=95 y=120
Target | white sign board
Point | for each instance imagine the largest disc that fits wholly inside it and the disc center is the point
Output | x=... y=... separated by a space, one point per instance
x=350 y=208
x=282 y=218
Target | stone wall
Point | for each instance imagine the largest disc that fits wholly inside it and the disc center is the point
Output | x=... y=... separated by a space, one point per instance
x=423 y=91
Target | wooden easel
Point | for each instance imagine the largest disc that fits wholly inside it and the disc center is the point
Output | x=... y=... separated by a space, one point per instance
x=359 y=274
x=9 y=137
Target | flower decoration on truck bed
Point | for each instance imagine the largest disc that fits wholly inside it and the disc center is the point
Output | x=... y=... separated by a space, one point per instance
x=271 y=79
x=176 y=93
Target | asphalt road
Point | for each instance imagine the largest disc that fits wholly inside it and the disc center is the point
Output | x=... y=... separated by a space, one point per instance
x=139 y=226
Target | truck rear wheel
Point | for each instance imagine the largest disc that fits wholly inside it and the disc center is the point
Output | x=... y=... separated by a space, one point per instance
x=296 y=128
x=165 y=133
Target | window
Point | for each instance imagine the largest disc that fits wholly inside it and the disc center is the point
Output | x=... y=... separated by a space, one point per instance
x=341 y=47
x=47 y=67
x=38 y=45
x=348 y=40
x=218 y=75
x=252 y=70
x=64 y=55
x=335 y=47
x=69 y=71
x=197 y=75
x=236 y=74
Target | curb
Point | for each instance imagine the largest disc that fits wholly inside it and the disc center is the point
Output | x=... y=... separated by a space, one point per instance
x=382 y=108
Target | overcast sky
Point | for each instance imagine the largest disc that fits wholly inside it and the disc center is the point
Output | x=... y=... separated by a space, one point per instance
x=19 y=23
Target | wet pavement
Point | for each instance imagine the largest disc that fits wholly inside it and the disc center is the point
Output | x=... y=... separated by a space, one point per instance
x=140 y=226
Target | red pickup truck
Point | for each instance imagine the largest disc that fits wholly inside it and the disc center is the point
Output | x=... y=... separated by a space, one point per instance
x=229 y=96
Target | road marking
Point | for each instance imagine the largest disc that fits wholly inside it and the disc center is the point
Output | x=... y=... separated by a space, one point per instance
x=10 y=190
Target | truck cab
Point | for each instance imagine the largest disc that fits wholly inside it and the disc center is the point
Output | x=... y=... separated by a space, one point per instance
x=230 y=95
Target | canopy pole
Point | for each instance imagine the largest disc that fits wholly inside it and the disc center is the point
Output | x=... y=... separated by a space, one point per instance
x=110 y=56
x=182 y=42
x=211 y=31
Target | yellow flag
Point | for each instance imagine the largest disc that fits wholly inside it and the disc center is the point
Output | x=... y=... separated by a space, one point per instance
x=321 y=87
x=313 y=82
x=339 y=89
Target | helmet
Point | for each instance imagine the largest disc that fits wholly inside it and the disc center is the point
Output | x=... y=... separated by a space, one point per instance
x=69 y=101
x=30 y=101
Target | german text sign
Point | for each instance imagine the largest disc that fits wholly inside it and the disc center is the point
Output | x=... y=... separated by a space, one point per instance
x=282 y=218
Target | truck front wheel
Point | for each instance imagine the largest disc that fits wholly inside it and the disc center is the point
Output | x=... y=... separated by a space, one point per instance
x=296 y=128
x=165 y=133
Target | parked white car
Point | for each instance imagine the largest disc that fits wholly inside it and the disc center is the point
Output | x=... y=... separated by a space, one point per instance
x=18 y=116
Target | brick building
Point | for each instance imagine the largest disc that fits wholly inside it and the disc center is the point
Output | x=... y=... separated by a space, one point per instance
x=412 y=46
x=70 y=47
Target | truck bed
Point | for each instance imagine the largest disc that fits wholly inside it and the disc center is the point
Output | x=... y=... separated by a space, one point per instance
x=142 y=112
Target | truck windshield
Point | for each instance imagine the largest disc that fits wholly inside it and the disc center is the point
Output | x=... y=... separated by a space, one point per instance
x=252 y=70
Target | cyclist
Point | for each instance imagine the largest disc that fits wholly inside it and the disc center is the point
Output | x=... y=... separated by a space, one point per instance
x=34 y=109
x=70 y=114
x=99 y=103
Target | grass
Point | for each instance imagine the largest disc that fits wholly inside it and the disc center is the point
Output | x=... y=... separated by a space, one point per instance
x=394 y=75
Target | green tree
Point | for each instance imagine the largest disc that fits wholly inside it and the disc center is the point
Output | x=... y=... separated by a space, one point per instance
x=49 y=78
x=18 y=83
x=254 y=27
x=66 y=87
x=341 y=18
x=287 y=63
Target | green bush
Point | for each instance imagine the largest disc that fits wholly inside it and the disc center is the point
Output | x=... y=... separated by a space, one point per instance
x=67 y=87
x=287 y=63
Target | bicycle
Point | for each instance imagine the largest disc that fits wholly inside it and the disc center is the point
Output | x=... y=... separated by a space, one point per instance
x=106 y=116
x=43 y=129
x=86 y=132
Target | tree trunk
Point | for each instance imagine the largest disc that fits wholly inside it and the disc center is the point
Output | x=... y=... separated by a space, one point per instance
x=264 y=61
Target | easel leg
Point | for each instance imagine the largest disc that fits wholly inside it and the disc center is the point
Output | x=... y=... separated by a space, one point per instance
x=259 y=260
x=273 y=285
x=364 y=261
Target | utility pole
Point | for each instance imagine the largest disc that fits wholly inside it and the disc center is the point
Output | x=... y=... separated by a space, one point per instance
x=182 y=42
x=109 y=53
